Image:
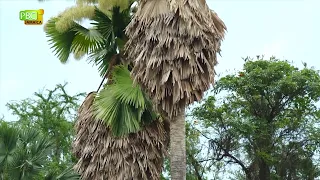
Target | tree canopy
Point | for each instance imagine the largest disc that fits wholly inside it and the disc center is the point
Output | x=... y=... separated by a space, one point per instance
x=38 y=143
x=265 y=119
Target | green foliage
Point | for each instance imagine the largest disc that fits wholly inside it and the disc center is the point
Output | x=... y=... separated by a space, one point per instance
x=263 y=112
x=23 y=152
x=8 y=142
x=123 y=105
x=52 y=113
x=67 y=174
x=275 y=81
x=112 y=29
x=101 y=42
x=77 y=39
x=196 y=166
x=100 y=57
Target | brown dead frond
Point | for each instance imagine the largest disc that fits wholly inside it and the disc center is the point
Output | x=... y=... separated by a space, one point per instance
x=173 y=44
x=102 y=156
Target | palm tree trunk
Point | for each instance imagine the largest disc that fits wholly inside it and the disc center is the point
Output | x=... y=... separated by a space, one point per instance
x=178 y=147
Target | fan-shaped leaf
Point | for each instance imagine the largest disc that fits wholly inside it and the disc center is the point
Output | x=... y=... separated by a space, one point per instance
x=122 y=104
x=8 y=143
x=100 y=57
x=77 y=39
x=124 y=88
x=103 y=24
x=120 y=117
x=68 y=174
x=61 y=42
x=86 y=40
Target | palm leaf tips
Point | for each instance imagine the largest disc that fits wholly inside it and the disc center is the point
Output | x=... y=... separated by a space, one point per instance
x=77 y=39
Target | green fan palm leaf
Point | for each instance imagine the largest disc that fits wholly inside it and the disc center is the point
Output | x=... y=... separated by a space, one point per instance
x=22 y=167
x=67 y=174
x=23 y=152
x=86 y=40
x=103 y=24
x=112 y=30
x=120 y=117
x=101 y=42
x=100 y=59
x=8 y=144
x=31 y=155
x=125 y=90
x=122 y=104
x=76 y=39
x=8 y=141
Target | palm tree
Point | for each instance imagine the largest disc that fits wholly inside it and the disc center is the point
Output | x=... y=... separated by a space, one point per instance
x=23 y=152
x=136 y=156
x=119 y=119
x=67 y=174
x=173 y=45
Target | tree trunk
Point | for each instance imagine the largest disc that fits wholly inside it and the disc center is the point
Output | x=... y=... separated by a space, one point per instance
x=249 y=174
x=178 y=147
x=264 y=143
x=264 y=171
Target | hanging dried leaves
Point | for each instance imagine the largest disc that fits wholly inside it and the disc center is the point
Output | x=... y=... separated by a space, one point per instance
x=173 y=44
x=102 y=156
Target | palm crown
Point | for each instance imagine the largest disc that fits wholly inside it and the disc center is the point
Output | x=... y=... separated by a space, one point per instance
x=117 y=129
x=170 y=52
x=24 y=153
x=104 y=44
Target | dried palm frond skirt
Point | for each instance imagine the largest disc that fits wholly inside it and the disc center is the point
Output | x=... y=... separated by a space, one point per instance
x=174 y=46
x=101 y=156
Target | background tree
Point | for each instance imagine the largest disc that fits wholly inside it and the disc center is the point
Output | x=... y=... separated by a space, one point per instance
x=173 y=46
x=52 y=114
x=266 y=120
x=23 y=153
x=27 y=151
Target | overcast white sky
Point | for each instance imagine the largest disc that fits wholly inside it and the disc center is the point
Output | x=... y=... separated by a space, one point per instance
x=286 y=28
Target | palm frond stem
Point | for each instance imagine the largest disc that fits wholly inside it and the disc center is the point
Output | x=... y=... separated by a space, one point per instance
x=104 y=77
x=113 y=62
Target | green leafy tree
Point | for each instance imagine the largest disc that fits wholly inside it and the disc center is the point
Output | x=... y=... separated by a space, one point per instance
x=52 y=112
x=267 y=120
